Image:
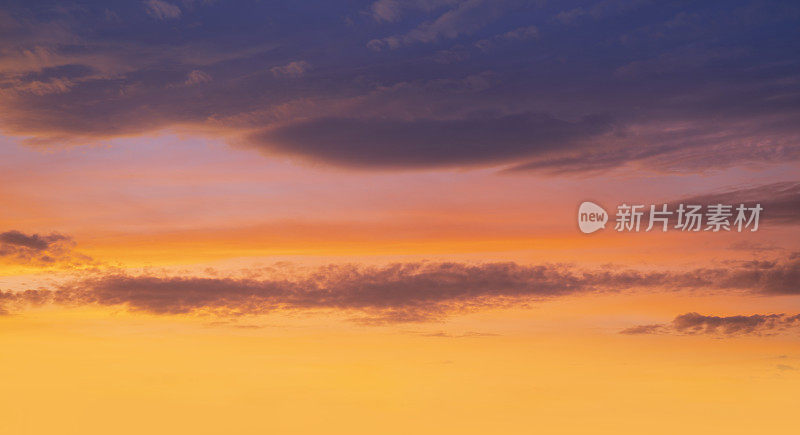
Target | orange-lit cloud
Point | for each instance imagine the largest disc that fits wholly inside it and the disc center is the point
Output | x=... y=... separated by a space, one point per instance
x=694 y=323
x=399 y=292
x=39 y=250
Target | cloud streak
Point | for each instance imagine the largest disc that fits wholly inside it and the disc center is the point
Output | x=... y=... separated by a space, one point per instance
x=697 y=324
x=404 y=292
x=781 y=201
x=465 y=17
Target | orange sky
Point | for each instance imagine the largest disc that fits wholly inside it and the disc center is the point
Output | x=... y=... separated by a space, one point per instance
x=361 y=217
x=514 y=369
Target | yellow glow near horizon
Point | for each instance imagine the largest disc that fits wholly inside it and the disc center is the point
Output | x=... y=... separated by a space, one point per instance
x=98 y=371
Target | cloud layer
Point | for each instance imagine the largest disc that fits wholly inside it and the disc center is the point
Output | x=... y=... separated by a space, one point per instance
x=686 y=87
x=402 y=292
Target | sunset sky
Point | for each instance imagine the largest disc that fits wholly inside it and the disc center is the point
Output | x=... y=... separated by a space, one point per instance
x=361 y=216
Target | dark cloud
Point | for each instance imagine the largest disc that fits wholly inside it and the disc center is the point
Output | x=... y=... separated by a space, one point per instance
x=780 y=205
x=696 y=146
x=781 y=201
x=422 y=143
x=33 y=242
x=411 y=292
x=689 y=86
x=39 y=250
x=694 y=323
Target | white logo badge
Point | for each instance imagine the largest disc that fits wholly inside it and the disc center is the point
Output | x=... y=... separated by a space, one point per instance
x=591 y=217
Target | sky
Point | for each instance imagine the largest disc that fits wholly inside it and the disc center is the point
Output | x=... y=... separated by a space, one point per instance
x=314 y=216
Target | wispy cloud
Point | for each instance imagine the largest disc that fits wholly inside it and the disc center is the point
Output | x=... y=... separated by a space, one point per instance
x=464 y=18
x=162 y=10
x=518 y=34
x=694 y=323
x=393 y=10
x=781 y=201
x=291 y=69
x=196 y=77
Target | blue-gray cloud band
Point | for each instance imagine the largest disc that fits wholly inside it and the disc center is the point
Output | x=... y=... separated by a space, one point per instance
x=408 y=84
